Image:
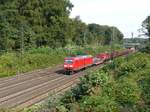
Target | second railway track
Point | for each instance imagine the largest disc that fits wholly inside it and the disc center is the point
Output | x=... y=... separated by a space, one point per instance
x=28 y=89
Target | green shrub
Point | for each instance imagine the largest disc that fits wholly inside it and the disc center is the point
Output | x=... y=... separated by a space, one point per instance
x=85 y=87
x=98 y=104
x=109 y=90
x=145 y=87
x=126 y=93
x=113 y=64
x=133 y=64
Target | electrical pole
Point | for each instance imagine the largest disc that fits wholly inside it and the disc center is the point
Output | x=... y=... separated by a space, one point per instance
x=112 y=40
x=21 y=47
x=22 y=41
x=132 y=35
x=84 y=37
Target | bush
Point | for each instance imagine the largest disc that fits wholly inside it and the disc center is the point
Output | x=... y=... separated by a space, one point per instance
x=145 y=87
x=85 y=87
x=109 y=90
x=114 y=64
x=127 y=94
x=133 y=64
x=98 y=104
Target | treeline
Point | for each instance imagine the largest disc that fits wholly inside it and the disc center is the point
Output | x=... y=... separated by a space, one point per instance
x=34 y=23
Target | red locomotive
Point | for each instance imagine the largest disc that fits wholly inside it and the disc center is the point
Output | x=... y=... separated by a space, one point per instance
x=79 y=62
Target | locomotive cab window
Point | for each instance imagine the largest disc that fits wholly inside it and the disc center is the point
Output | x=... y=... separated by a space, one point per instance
x=69 y=61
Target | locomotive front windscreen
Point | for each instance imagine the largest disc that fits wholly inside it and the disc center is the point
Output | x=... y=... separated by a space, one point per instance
x=69 y=61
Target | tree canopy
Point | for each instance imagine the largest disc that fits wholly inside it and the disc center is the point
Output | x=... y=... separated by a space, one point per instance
x=105 y=34
x=146 y=25
x=36 y=23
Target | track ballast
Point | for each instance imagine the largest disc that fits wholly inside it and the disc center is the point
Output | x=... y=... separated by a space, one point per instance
x=30 y=88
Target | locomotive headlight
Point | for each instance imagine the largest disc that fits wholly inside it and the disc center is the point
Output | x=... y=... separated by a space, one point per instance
x=71 y=66
x=65 y=65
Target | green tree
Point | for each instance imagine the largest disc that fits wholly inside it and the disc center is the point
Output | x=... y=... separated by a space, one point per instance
x=103 y=34
x=146 y=25
x=38 y=22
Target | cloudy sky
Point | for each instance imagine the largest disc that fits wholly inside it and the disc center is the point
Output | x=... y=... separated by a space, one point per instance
x=127 y=15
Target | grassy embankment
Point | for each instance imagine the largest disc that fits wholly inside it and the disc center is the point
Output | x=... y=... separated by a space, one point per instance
x=15 y=63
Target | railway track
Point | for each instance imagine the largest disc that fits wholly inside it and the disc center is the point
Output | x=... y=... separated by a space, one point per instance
x=30 y=88
x=30 y=75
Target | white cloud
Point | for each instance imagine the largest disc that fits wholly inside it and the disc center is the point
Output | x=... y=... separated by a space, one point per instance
x=127 y=15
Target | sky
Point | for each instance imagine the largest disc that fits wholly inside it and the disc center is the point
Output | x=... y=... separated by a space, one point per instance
x=127 y=15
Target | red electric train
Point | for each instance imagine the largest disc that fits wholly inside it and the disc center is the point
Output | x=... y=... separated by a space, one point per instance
x=79 y=62
x=72 y=64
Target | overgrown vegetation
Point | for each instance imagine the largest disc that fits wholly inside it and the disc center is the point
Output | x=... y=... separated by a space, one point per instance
x=121 y=86
x=15 y=63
